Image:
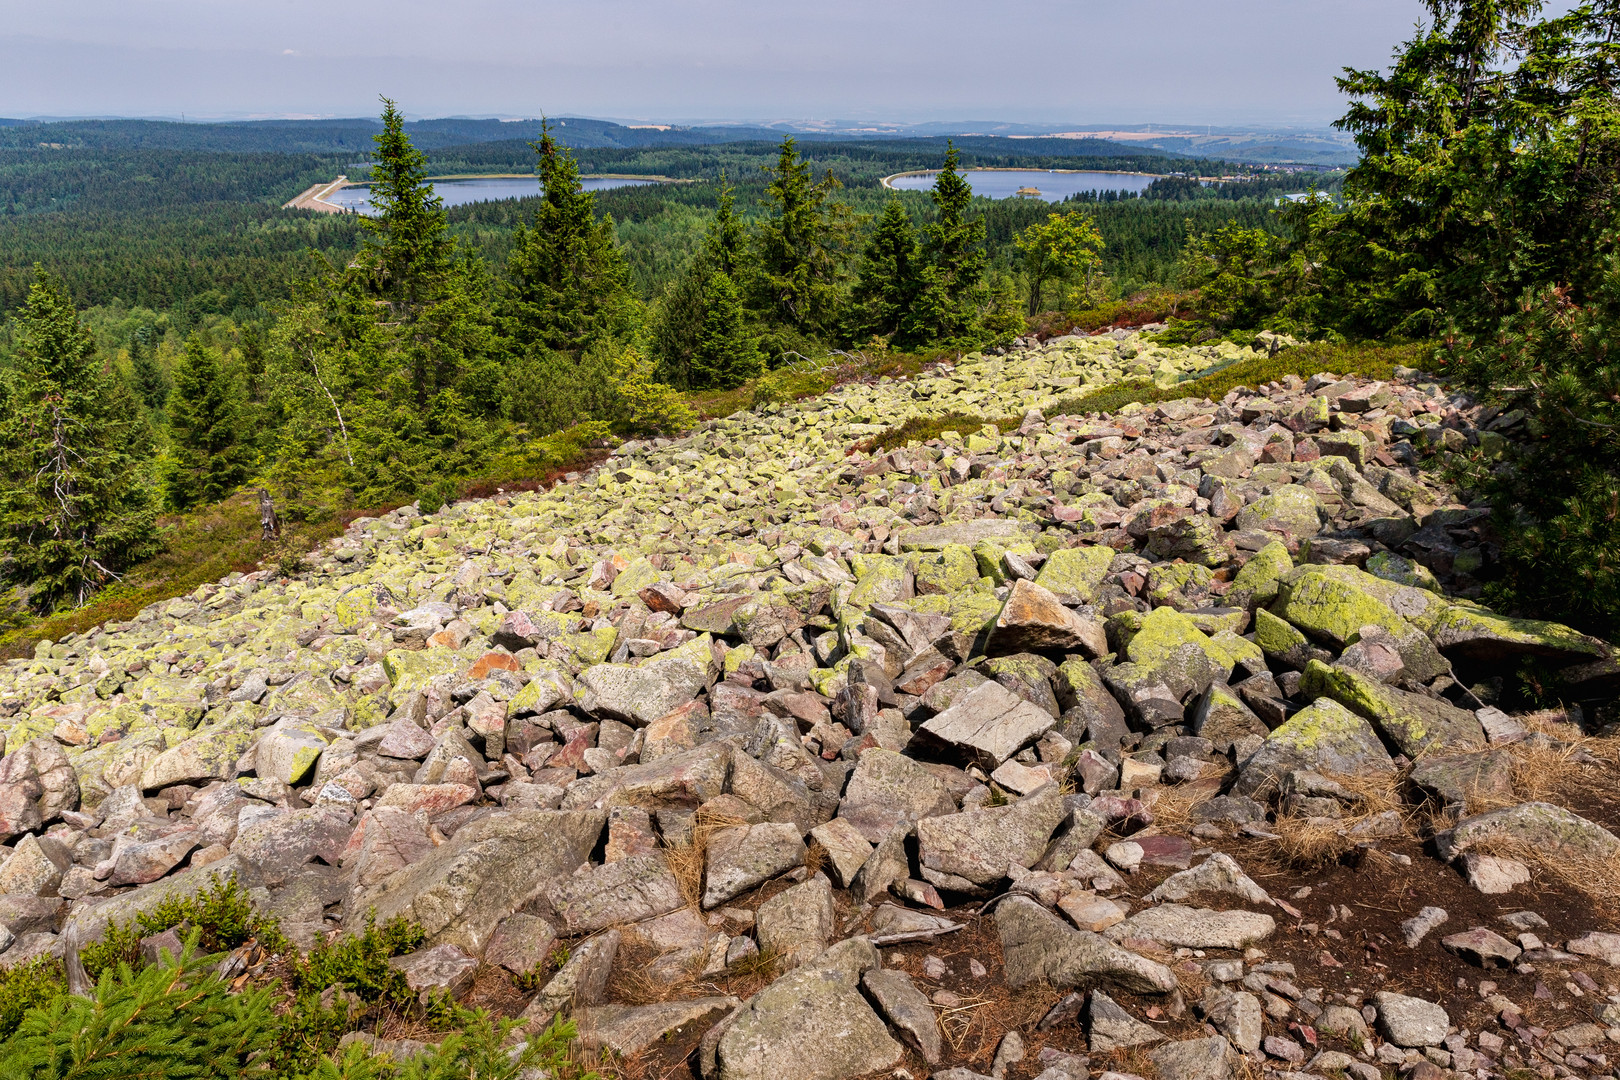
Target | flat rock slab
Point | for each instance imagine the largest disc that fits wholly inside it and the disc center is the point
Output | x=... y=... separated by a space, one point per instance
x=1482 y=946
x=1194 y=1059
x=1324 y=737
x=811 y=1024
x=1091 y=912
x=1220 y=873
x=1409 y=1021
x=441 y=969
x=630 y=890
x=629 y=1029
x=1196 y=928
x=979 y=845
x=1036 y=945
x=795 y=925
x=989 y=724
x=737 y=859
x=1542 y=826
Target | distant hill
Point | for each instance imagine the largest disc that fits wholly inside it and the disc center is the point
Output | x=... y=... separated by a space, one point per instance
x=353 y=136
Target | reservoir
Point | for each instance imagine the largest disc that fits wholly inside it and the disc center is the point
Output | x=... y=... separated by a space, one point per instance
x=1053 y=185
x=479 y=189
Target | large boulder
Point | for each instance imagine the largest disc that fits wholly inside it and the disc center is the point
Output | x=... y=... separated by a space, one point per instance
x=886 y=789
x=1542 y=827
x=1414 y=724
x=977 y=847
x=1033 y=619
x=1324 y=737
x=461 y=890
x=36 y=785
x=811 y=1024
x=640 y=695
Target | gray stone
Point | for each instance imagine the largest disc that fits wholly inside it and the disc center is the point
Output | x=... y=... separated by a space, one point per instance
x=1598 y=945
x=36 y=866
x=906 y=1009
x=1543 y=827
x=1110 y=1028
x=1219 y=873
x=989 y=724
x=1194 y=1059
x=811 y=1024
x=628 y=1030
x=847 y=850
x=1419 y=926
x=1494 y=874
x=278 y=844
x=739 y=858
x=1239 y=1017
x=640 y=695
x=980 y=845
x=1482 y=946
x=37 y=784
x=1409 y=1021
x=1036 y=945
x=628 y=890
x=886 y=789
x=795 y=925
x=462 y=889
x=1195 y=928
x=581 y=980
x=442 y=969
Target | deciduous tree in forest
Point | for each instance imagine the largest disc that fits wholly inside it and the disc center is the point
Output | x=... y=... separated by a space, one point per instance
x=1061 y=247
x=75 y=500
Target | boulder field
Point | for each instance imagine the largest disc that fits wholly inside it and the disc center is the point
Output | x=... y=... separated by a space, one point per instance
x=1172 y=742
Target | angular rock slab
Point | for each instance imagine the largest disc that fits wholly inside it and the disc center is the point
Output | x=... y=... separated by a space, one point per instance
x=627 y=1030
x=629 y=890
x=1110 y=1028
x=980 y=845
x=1194 y=1059
x=1409 y=1021
x=1542 y=826
x=462 y=890
x=1036 y=945
x=1033 y=619
x=1195 y=928
x=796 y=924
x=1220 y=873
x=739 y=858
x=907 y=1009
x=989 y=724
x=811 y=1024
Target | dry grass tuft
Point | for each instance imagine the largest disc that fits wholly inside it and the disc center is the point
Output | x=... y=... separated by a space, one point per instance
x=1308 y=843
x=1596 y=877
x=815 y=857
x=686 y=860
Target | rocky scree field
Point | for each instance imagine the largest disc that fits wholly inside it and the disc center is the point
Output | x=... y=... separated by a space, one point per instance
x=1166 y=743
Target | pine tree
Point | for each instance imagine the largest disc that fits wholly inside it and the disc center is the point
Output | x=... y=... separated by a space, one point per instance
x=75 y=506
x=800 y=248
x=727 y=354
x=888 y=282
x=410 y=254
x=726 y=244
x=150 y=384
x=569 y=285
x=952 y=279
x=208 y=458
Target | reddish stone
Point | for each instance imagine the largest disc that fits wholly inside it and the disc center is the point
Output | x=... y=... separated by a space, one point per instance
x=493 y=661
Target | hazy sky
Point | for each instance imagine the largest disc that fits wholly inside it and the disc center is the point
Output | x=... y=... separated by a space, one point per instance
x=1080 y=61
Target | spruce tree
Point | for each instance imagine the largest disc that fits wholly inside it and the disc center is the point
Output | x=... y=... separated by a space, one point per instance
x=888 y=282
x=208 y=459
x=952 y=279
x=726 y=245
x=800 y=247
x=727 y=355
x=75 y=505
x=568 y=284
x=150 y=384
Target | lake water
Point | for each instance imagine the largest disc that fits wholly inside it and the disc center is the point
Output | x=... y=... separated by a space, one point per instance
x=457 y=192
x=1004 y=183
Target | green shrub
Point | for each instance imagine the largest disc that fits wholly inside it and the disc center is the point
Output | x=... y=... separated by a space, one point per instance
x=790 y=384
x=436 y=495
x=359 y=963
x=172 y=1020
x=222 y=915
x=27 y=986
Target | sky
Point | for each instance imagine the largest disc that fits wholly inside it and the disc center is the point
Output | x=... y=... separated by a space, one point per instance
x=1093 y=62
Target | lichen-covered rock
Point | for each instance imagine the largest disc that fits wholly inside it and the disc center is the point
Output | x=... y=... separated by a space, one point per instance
x=1540 y=826
x=1323 y=738
x=1413 y=723
x=978 y=846
x=1037 y=945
